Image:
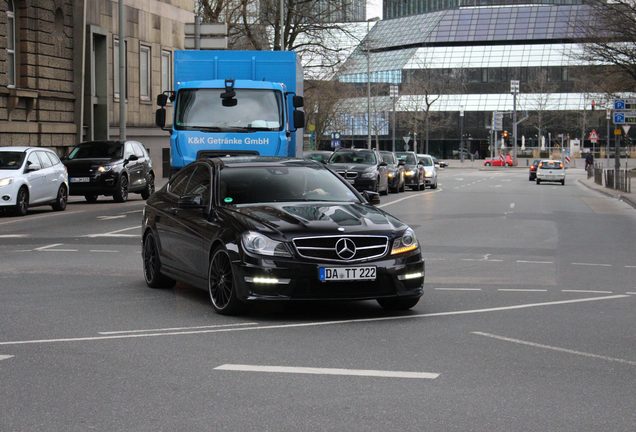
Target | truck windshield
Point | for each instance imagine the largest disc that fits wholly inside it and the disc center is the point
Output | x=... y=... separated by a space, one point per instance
x=201 y=109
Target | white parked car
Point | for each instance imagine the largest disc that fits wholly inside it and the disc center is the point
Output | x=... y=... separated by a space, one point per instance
x=551 y=171
x=430 y=171
x=31 y=176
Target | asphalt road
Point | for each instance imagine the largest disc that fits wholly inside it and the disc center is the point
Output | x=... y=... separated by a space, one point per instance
x=527 y=324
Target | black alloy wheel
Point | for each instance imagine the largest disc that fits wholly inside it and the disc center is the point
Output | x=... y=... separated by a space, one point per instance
x=150 y=187
x=152 y=265
x=221 y=284
x=90 y=198
x=22 y=202
x=397 y=303
x=121 y=190
x=62 y=199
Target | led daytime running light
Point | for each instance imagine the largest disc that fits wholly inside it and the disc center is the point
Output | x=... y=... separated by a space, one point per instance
x=399 y=250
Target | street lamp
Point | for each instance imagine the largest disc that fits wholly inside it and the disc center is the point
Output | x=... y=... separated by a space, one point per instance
x=461 y=134
x=393 y=92
x=514 y=89
x=370 y=20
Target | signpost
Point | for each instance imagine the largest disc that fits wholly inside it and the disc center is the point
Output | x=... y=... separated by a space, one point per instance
x=406 y=142
x=335 y=140
x=593 y=137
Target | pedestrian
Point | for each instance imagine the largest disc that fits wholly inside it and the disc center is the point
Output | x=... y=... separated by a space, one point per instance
x=589 y=161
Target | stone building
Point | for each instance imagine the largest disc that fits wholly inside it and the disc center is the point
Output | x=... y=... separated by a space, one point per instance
x=59 y=61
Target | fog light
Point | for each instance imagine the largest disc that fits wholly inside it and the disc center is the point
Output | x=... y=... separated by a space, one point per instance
x=6 y=197
x=408 y=276
x=265 y=280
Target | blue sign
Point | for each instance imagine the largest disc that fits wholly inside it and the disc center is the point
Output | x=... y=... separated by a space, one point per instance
x=619 y=104
x=619 y=118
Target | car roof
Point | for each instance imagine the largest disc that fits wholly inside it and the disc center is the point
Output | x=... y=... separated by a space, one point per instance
x=16 y=148
x=260 y=161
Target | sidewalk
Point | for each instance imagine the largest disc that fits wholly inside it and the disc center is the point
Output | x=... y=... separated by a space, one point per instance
x=629 y=198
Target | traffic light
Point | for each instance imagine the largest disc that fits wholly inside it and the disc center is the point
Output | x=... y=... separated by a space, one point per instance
x=593 y=105
x=505 y=134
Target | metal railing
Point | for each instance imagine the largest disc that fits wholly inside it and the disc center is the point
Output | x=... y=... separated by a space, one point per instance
x=621 y=182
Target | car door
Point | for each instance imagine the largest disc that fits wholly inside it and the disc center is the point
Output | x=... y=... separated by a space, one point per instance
x=383 y=169
x=35 y=179
x=50 y=185
x=142 y=164
x=132 y=165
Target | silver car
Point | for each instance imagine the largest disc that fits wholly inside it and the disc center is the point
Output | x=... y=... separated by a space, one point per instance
x=430 y=171
x=550 y=170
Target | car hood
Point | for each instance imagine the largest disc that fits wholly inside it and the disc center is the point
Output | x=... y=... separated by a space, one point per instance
x=10 y=173
x=84 y=165
x=350 y=167
x=306 y=219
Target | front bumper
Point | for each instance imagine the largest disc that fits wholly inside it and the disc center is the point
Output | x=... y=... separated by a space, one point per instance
x=362 y=184
x=298 y=280
x=99 y=184
x=8 y=194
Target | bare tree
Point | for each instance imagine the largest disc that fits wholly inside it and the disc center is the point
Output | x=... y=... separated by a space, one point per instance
x=537 y=99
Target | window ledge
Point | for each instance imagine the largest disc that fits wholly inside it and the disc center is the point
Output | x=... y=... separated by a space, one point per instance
x=15 y=93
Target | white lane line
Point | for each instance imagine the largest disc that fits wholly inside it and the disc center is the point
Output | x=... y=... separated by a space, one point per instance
x=553 y=348
x=13 y=235
x=592 y=264
x=588 y=291
x=522 y=290
x=535 y=262
x=105 y=218
x=4 y=357
x=327 y=371
x=458 y=289
x=47 y=215
x=318 y=323
x=133 y=211
x=630 y=266
x=428 y=192
x=512 y=205
x=103 y=251
x=629 y=292
x=177 y=328
x=482 y=260
x=48 y=246
x=117 y=233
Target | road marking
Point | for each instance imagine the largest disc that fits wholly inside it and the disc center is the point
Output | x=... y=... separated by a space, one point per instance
x=47 y=248
x=13 y=235
x=177 y=328
x=47 y=215
x=117 y=233
x=428 y=192
x=629 y=292
x=103 y=251
x=592 y=264
x=327 y=371
x=4 y=357
x=317 y=323
x=535 y=262
x=133 y=211
x=481 y=260
x=104 y=218
x=630 y=266
x=512 y=205
x=521 y=290
x=588 y=291
x=458 y=289
x=550 y=347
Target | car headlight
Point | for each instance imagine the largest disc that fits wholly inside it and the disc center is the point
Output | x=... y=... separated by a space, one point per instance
x=104 y=168
x=368 y=174
x=263 y=245
x=428 y=173
x=391 y=174
x=406 y=243
x=6 y=181
x=409 y=173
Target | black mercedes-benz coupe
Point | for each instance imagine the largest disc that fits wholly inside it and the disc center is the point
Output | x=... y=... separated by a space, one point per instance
x=255 y=228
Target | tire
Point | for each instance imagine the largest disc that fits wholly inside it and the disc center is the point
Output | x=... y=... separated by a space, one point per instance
x=538 y=181
x=397 y=303
x=403 y=187
x=530 y=178
x=434 y=185
x=487 y=164
x=385 y=191
x=90 y=198
x=152 y=264
x=563 y=182
x=21 y=207
x=61 y=200
x=150 y=187
x=121 y=191
x=222 y=284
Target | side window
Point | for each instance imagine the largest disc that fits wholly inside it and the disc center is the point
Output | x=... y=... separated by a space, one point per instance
x=33 y=159
x=139 y=152
x=177 y=185
x=200 y=183
x=45 y=162
x=128 y=150
x=53 y=157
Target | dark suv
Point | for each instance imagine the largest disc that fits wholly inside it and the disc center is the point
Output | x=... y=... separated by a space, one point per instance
x=364 y=169
x=112 y=168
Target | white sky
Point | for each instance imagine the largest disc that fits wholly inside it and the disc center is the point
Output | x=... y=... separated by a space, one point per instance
x=374 y=8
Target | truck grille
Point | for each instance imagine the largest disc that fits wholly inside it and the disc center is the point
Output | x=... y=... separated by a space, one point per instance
x=344 y=248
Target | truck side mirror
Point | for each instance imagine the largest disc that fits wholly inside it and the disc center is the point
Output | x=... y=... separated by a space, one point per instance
x=160 y=117
x=162 y=99
x=299 y=119
x=299 y=102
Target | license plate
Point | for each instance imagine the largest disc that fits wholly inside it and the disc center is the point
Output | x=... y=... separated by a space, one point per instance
x=80 y=179
x=326 y=274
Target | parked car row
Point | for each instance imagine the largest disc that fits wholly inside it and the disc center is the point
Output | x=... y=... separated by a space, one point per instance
x=380 y=171
x=35 y=176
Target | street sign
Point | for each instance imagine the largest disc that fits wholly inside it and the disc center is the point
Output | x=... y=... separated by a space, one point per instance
x=406 y=139
x=593 y=137
x=624 y=104
x=335 y=140
x=497 y=120
x=624 y=117
x=626 y=128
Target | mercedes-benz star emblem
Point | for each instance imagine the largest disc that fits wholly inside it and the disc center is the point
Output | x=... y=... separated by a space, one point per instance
x=345 y=248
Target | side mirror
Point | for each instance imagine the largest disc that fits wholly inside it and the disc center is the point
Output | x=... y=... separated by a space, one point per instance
x=298 y=102
x=132 y=158
x=372 y=198
x=160 y=117
x=162 y=99
x=33 y=167
x=299 y=119
x=191 y=202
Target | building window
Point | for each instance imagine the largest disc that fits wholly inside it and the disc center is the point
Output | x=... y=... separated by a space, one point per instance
x=11 y=44
x=144 y=72
x=166 y=70
x=116 y=68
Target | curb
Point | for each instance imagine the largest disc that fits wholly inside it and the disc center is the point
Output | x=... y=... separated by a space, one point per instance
x=616 y=195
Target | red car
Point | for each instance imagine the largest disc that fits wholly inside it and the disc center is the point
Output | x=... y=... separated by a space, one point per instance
x=499 y=161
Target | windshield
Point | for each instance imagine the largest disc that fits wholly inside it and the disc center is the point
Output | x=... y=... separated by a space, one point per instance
x=11 y=160
x=356 y=157
x=251 y=185
x=388 y=158
x=98 y=150
x=426 y=161
x=408 y=158
x=255 y=110
x=551 y=165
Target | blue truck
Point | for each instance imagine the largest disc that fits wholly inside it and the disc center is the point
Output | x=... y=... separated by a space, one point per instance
x=233 y=103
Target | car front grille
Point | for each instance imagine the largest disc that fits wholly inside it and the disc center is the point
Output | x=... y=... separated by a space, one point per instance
x=348 y=174
x=352 y=248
